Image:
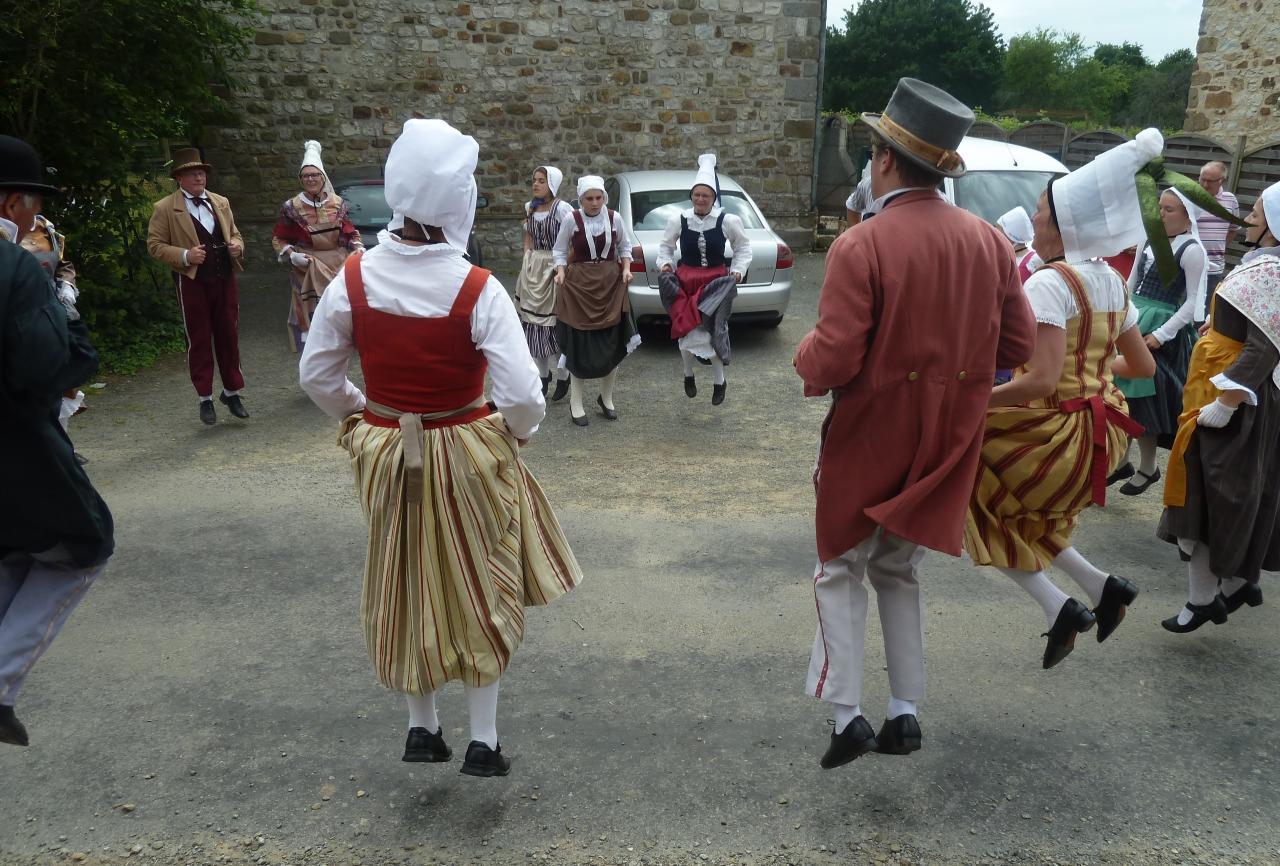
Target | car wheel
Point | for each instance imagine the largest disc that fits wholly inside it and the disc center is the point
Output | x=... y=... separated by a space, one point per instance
x=771 y=323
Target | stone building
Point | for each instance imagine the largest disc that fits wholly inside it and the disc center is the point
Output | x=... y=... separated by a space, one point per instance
x=592 y=86
x=1235 y=89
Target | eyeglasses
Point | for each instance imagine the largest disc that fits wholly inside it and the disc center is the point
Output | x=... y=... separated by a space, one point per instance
x=312 y=176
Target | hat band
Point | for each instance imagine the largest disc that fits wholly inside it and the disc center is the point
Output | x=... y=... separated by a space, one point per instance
x=946 y=160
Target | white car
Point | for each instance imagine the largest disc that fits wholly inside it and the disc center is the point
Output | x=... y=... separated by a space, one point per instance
x=1000 y=176
x=646 y=200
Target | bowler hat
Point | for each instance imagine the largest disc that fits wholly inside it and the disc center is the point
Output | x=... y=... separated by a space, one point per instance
x=185 y=158
x=925 y=124
x=20 y=167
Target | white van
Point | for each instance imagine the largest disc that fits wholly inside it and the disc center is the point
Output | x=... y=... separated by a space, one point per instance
x=1000 y=176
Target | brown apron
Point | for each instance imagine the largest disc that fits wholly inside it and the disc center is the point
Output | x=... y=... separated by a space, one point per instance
x=593 y=296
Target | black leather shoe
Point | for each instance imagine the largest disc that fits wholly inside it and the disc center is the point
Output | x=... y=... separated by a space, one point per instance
x=424 y=747
x=580 y=420
x=1250 y=594
x=235 y=404
x=690 y=387
x=609 y=414
x=484 y=761
x=562 y=388
x=1125 y=471
x=1133 y=486
x=11 y=730
x=546 y=383
x=853 y=742
x=1073 y=619
x=1215 y=612
x=900 y=736
x=1117 y=595
x=717 y=393
x=207 y=413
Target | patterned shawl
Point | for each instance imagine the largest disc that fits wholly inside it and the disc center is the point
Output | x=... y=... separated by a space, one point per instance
x=1253 y=288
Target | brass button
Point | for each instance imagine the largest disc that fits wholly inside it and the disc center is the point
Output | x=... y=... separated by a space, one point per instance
x=961 y=375
x=912 y=376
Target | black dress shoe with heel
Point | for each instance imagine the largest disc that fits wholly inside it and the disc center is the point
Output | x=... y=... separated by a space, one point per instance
x=900 y=736
x=1133 y=486
x=484 y=761
x=717 y=393
x=207 y=413
x=1215 y=612
x=856 y=740
x=12 y=731
x=1250 y=594
x=424 y=747
x=562 y=388
x=1117 y=595
x=609 y=414
x=580 y=420
x=235 y=404
x=690 y=387
x=1125 y=471
x=1073 y=619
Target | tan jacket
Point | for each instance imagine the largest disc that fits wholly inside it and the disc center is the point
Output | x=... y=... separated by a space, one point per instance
x=171 y=231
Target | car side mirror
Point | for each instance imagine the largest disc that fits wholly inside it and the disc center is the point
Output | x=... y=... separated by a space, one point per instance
x=482 y=201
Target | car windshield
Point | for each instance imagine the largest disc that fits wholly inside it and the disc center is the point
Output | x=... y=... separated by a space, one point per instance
x=366 y=206
x=991 y=194
x=652 y=209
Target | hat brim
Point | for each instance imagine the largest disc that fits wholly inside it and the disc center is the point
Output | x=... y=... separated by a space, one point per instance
x=21 y=186
x=177 y=170
x=873 y=121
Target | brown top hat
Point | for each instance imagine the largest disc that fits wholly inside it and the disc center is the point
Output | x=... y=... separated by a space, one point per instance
x=185 y=158
x=925 y=124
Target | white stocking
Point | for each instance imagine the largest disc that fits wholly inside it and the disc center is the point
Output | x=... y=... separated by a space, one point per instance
x=718 y=367
x=1232 y=585
x=482 y=711
x=575 y=397
x=1201 y=584
x=687 y=357
x=1039 y=587
x=562 y=372
x=422 y=712
x=1089 y=578
x=544 y=367
x=606 y=388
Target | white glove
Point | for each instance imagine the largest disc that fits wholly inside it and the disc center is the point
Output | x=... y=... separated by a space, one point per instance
x=298 y=259
x=1216 y=414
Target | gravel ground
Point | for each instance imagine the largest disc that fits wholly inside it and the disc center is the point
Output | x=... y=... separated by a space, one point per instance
x=211 y=701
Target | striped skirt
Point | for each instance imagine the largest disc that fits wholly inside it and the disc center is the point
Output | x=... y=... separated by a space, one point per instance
x=446 y=581
x=1033 y=480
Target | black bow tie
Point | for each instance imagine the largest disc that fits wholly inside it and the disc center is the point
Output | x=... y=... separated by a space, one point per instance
x=200 y=201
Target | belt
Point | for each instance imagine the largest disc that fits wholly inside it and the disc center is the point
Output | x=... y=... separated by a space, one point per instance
x=411 y=428
x=1102 y=412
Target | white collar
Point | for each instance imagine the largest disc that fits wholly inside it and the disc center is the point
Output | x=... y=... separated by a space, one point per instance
x=391 y=242
x=204 y=196
x=880 y=203
x=315 y=204
x=10 y=229
x=709 y=215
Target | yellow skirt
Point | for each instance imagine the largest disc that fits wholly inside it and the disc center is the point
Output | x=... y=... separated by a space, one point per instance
x=446 y=580
x=1213 y=353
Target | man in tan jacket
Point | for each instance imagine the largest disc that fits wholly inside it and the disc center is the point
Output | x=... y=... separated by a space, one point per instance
x=193 y=232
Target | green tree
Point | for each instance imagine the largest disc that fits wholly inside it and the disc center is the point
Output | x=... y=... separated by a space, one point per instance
x=1158 y=96
x=98 y=86
x=953 y=44
x=1127 y=55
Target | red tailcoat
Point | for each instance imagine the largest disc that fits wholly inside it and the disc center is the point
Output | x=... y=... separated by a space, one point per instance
x=920 y=306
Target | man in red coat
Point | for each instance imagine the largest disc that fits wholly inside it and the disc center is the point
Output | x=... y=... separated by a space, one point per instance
x=920 y=306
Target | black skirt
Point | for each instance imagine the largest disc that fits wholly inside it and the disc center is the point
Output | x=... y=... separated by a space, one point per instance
x=595 y=354
x=1159 y=414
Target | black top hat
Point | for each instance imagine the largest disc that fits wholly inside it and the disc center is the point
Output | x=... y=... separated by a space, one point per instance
x=20 y=167
x=925 y=124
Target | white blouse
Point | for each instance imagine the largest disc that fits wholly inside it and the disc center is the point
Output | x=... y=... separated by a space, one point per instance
x=1054 y=303
x=739 y=245
x=1193 y=263
x=595 y=225
x=421 y=282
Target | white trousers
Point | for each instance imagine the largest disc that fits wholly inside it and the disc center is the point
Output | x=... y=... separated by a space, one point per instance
x=892 y=565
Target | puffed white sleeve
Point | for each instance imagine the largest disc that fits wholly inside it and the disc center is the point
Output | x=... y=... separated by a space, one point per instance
x=737 y=237
x=624 y=242
x=1193 y=265
x=517 y=390
x=1050 y=298
x=322 y=371
x=667 y=246
x=560 y=250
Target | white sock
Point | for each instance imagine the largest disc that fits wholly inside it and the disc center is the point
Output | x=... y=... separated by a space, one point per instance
x=1202 y=585
x=1039 y=587
x=226 y=393
x=575 y=397
x=1147 y=455
x=482 y=710
x=718 y=366
x=562 y=372
x=687 y=357
x=544 y=367
x=422 y=712
x=1231 y=585
x=606 y=388
x=1088 y=577
x=208 y=399
x=845 y=714
x=900 y=708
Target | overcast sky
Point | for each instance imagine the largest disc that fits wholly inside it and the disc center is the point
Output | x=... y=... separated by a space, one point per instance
x=1159 y=26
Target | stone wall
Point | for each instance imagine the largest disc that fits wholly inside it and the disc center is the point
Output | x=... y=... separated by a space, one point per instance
x=591 y=86
x=1235 y=89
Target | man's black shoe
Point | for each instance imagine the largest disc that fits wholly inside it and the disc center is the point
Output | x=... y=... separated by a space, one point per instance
x=235 y=404
x=207 y=414
x=424 y=747
x=900 y=736
x=853 y=742
x=1073 y=619
x=484 y=761
x=1117 y=595
x=11 y=730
